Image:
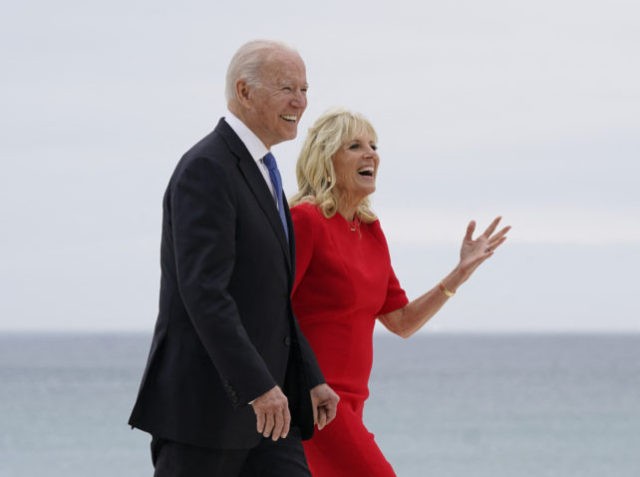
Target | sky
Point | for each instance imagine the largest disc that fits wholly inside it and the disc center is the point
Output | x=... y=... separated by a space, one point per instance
x=529 y=110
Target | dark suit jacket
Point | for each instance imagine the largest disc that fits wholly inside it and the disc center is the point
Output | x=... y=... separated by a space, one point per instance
x=225 y=332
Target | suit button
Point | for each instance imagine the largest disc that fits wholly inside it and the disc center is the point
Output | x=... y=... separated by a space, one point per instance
x=287 y=341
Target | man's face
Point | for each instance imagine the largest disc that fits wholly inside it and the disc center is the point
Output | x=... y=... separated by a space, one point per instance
x=276 y=105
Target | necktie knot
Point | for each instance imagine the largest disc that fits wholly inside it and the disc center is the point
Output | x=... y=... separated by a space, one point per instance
x=270 y=162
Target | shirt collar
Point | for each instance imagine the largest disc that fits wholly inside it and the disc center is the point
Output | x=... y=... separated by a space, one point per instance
x=253 y=144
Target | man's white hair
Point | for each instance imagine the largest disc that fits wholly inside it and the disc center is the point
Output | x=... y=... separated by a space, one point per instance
x=247 y=62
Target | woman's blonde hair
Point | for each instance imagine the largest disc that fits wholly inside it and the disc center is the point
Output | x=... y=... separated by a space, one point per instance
x=314 y=169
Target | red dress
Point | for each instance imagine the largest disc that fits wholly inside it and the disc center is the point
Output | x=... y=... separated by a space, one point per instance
x=344 y=280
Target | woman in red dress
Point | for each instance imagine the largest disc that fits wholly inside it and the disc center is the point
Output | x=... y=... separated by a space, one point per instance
x=345 y=281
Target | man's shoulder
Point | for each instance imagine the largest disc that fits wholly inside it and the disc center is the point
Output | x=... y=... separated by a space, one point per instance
x=218 y=142
x=215 y=150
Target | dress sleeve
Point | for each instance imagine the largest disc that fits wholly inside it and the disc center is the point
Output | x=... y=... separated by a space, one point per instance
x=396 y=296
x=303 y=220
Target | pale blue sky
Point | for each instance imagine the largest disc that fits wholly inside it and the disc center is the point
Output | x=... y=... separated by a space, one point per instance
x=525 y=109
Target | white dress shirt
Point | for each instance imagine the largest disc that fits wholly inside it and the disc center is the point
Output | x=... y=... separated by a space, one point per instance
x=254 y=145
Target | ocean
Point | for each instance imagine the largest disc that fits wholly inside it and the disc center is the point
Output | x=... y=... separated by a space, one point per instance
x=446 y=405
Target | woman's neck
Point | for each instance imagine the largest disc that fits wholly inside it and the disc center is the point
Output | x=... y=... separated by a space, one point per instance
x=348 y=205
x=348 y=209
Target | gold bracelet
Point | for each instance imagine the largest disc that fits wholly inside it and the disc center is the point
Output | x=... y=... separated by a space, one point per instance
x=445 y=290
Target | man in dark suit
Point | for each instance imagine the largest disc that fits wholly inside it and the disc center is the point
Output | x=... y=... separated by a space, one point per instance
x=231 y=385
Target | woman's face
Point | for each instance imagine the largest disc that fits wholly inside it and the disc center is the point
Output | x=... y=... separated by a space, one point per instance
x=356 y=166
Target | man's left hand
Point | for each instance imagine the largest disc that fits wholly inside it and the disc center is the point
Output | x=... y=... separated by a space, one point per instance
x=325 y=404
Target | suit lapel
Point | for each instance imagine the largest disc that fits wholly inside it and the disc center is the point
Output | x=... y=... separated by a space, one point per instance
x=292 y=241
x=255 y=181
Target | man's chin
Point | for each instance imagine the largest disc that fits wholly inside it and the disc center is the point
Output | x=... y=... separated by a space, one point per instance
x=290 y=134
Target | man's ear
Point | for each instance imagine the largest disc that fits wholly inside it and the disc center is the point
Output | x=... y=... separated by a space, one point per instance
x=243 y=93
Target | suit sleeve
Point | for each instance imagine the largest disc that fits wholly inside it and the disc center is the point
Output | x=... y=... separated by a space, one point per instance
x=203 y=218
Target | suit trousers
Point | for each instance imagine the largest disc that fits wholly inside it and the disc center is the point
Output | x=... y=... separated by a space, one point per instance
x=284 y=457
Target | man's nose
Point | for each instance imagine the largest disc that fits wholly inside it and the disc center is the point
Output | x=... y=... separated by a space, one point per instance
x=299 y=99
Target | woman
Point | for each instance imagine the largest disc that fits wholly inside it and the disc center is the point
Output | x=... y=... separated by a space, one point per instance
x=344 y=282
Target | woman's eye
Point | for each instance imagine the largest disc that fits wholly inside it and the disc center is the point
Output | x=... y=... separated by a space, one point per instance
x=354 y=145
x=374 y=147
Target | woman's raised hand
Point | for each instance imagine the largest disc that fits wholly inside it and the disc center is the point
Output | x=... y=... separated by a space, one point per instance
x=475 y=251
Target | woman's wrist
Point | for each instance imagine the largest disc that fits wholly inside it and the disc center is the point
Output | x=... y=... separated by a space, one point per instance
x=453 y=281
x=443 y=288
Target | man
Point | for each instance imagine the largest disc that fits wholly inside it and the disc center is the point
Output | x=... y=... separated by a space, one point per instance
x=231 y=385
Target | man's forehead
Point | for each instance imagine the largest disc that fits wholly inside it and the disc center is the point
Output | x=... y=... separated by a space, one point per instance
x=287 y=80
x=286 y=73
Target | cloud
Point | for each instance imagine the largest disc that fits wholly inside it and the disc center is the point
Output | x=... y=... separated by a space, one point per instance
x=550 y=225
x=528 y=110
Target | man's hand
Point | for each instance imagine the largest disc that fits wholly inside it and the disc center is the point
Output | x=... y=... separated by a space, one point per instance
x=325 y=404
x=272 y=414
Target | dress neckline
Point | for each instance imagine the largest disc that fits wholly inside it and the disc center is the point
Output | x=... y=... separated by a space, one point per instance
x=352 y=225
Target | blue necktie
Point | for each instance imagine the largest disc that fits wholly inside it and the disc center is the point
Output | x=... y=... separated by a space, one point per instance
x=276 y=180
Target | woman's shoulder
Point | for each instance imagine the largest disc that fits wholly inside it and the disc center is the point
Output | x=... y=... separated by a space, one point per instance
x=304 y=207
x=306 y=211
x=375 y=230
x=306 y=217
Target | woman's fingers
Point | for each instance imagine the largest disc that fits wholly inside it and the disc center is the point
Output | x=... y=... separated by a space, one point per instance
x=468 y=236
x=501 y=233
x=492 y=227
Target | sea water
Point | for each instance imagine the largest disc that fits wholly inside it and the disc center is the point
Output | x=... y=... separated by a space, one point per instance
x=446 y=405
